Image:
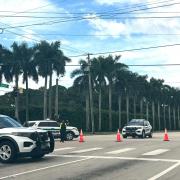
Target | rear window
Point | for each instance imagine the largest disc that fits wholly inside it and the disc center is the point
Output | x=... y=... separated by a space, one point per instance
x=31 y=124
x=48 y=124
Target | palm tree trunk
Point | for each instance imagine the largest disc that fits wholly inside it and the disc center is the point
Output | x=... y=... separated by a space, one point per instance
x=119 y=104
x=17 y=98
x=174 y=115
x=110 y=106
x=134 y=107
x=45 y=99
x=50 y=96
x=159 y=118
x=147 y=111
x=164 y=108
x=27 y=100
x=127 y=107
x=141 y=108
x=178 y=118
x=56 y=99
x=153 y=115
x=169 y=109
x=87 y=113
x=100 y=99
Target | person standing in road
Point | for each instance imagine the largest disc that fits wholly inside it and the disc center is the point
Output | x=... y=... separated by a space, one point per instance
x=63 y=131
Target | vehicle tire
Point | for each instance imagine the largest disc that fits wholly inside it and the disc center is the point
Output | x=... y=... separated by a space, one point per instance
x=69 y=136
x=52 y=143
x=124 y=136
x=143 y=135
x=37 y=156
x=7 y=152
x=150 y=135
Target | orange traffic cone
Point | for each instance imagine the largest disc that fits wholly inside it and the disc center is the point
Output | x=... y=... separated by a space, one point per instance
x=166 y=138
x=81 y=138
x=118 y=136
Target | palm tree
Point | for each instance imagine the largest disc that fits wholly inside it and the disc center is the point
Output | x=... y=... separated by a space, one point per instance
x=82 y=81
x=48 y=58
x=112 y=67
x=98 y=73
x=28 y=68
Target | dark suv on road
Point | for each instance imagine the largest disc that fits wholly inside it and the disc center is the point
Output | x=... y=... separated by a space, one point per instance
x=137 y=127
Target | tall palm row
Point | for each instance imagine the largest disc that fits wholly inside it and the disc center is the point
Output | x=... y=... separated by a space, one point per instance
x=42 y=59
x=149 y=99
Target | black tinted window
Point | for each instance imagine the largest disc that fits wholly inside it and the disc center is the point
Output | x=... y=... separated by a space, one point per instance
x=53 y=124
x=139 y=122
x=43 y=124
x=7 y=122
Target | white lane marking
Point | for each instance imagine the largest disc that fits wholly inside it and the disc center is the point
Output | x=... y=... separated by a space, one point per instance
x=86 y=150
x=116 y=157
x=43 y=168
x=62 y=149
x=164 y=172
x=155 y=152
x=120 y=151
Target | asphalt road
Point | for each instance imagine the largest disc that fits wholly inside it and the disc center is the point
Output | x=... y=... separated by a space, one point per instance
x=101 y=157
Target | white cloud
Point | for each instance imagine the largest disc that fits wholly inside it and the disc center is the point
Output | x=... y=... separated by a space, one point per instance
x=111 y=2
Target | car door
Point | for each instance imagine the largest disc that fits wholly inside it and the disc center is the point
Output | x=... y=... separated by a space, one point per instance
x=146 y=127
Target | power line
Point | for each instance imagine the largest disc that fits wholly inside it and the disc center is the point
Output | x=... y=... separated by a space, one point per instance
x=79 y=18
x=129 y=50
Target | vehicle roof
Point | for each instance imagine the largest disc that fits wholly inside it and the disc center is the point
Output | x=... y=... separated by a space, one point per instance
x=47 y=120
x=1 y=115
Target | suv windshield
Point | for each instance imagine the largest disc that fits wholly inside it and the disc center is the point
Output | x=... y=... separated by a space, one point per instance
x=138 y=122
x=7 y=122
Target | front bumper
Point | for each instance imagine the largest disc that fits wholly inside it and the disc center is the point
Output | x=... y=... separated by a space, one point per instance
x=137 y=132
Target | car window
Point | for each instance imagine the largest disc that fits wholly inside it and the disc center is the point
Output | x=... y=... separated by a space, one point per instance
x=43 y=124
x=53 y=124
x=139 y=122
x=31 y=124
x=7 y=122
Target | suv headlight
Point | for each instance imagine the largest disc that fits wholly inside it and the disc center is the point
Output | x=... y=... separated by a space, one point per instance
x=75 y=129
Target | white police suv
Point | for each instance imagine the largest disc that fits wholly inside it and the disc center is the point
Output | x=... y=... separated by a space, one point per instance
x=137 y=127
x=53 y=126
x=16 y=141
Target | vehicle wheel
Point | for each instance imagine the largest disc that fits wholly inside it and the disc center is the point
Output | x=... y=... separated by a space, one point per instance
x=150 y=135
x=124 y=136
x=52 y=144
x=37 y=156
x=69 y=136
x=7 y=152
x=143 y=135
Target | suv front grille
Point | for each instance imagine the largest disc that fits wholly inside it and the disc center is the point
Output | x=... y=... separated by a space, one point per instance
x=42 y=136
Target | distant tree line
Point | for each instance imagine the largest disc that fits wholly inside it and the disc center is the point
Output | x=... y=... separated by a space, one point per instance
x=118 y=93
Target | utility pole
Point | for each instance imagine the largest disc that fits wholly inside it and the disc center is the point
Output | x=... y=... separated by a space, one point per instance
x=90 y=94
x=56 y=99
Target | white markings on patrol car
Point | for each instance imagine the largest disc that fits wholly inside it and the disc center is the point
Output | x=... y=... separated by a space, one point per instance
x=86 y=150
x=120 y=151
x=155 y=152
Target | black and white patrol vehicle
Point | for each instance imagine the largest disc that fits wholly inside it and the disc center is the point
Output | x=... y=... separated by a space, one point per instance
x=137 y=127
x=16 y=141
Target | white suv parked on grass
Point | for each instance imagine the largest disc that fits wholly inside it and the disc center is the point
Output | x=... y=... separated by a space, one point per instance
x=15 y=141
x=53 y=126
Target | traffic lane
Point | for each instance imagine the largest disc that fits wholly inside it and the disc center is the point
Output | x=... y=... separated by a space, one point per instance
x=101 y=169
x=138 y=146
x=28 y=164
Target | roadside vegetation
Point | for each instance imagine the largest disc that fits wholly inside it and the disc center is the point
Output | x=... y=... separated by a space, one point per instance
x=118 y=93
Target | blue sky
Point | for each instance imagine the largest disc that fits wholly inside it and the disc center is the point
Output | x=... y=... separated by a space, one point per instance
x=100 y=33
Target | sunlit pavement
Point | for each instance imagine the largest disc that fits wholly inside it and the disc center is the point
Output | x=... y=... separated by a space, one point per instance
x=101 y=157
